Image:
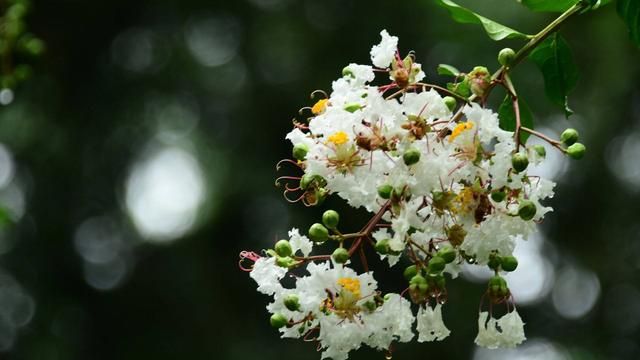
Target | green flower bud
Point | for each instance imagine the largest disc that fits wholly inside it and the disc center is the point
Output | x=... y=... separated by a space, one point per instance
x=411 y=156
x=576 y=151
x=370 y=306
x=509 y=263
x=498 y=286
x=410 y=272
x=382 y=247
x=278 y=320
x=494 y=261
x=519 y=161
x=506 y=56
x=451 y=102
x=419 y=283
x=384 y=191
x=340 y=255
x=284 y=261
x=292 y=302
x=437 y=281
x=318 y=233
x=347 y=72
x=540 y=150
x=300 y=151
x=309 y=180
x=527 y=210
x=283 y=248
x=447 y=253
x=436 y=265
x=498 y=196
x=479 y=80
x=569 y=137
x=352 y=107
x=330 y=219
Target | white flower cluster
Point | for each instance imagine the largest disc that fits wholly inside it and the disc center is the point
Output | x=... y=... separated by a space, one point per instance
x=447 y=185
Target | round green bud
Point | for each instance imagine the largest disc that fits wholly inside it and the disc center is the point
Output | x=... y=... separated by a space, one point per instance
x=384 y=191
x=527 y=210
x=519 y=161
x=451 y=102
x=283 y=248
x=411 y=156
x=447 y=253
x=292 y=302
x=370 y=305
x=418 y=283
x=410 y=272
x=300 y=151
x=318 y=233
x=382 y=247
x=340 y=255
x=278 y=320
x=417 y=280
x=569 y=137
x=498 y=286
x=498 y=196
x=576 y=151
x=330 y=219
x=494 y=262
x=540 y=150
x=284 y=261
x=509 y=263
x=436 y=265
x=506 y=56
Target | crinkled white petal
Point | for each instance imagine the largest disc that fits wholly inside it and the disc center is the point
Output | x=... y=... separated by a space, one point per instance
x=267 y=274
x=383 y=53
x=430 y=325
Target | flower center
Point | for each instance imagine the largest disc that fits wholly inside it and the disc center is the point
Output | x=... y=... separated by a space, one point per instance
x=339 y=138
x=459 y=129
x=351 y=285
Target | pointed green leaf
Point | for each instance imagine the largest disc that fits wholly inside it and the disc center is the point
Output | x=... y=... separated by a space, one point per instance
x=553 y=57
x=447 y=70
x=495 y=30
x=549 y=5
x=507 y=116
x=629 y=11
x=462 y=88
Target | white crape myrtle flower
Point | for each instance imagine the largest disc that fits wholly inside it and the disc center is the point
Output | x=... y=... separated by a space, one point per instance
x=430 y=324
x=445 y=185
x=506 y=332
x=383 y=53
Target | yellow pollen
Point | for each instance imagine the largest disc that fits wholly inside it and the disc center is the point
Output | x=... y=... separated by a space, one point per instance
x=465 y=201
x=339 y=138
x=459 y=129
x=352 y=285
x=318 y=107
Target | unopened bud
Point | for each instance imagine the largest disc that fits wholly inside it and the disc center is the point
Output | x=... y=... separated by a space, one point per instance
x=382 y=247
x=340 y=255
x=509 y=263
x=436 y=265
x=411 y=156
x=318 y=233
x=410 y=272
x=498 y=196
x=330 y=219
x=527 y=210
x=384 y=191
x=447 y=253
x=300 y=151
x=278 y=320
x=283 y=248
x=451 y=102
x=506 y=56
x=292 y=302
x=576 y=151
x=569 y=136
x=519 y=161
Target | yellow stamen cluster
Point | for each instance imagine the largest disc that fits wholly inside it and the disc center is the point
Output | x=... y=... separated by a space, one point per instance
x=319 y=106
x=339 y=138
x=459 y=129
x=352 y=285
x=465 y=201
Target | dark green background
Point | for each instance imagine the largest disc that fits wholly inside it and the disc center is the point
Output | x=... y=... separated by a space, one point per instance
x=76 y=128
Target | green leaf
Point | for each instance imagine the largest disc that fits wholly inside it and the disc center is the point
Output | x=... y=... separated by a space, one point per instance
x=553 y=57
x=549 y=5
x=447 y=70
x=629 y=11
x=495 y=30
x=507 y=116
x=462 y=88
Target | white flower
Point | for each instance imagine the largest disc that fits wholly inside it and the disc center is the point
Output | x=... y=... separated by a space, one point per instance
x=430 y=324
x=383 y=53
x=506 y=332
x=267 y=274
x=300 y=242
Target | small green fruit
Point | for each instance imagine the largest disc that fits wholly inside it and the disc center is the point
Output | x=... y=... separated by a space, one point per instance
x=519 y=161
x=506 y=56
x=300 y=151
x=498 y=196
x=436 y=265
x=283 y=248
x=382 y=247
x=451 y=102
x=330 y=219
x=527 y=210
x=410 y=272
x=569 y=137
x=292 y=302
x=384 y=191
x=509 y=263
x=576 y=151
x=278 y=320
x=411 y=156
x=318 y=233
x=340 y=255
x=447 y=253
